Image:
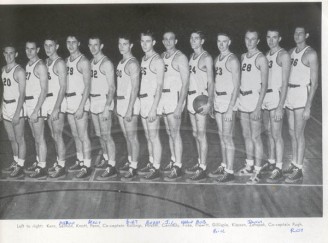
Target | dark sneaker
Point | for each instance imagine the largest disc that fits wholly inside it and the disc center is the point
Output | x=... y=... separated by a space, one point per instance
x=58 y=173
x=84 y=173
x=227 y=177
x=268 y=167
x=109 y=172
x=276 y=176
x=295 y=177
x=199 y=176
x=175 y=174
x=102 y=164
x=153 y=175
x=10 y=168
x=39 y=173
x=76 y=167
x=125 y=167
x=290 y=169
x=168 y=167
x=53 y=168
x=130 y=175
x=192 y=170
x=32 y=168
x=18 y=172
x=255 y=179
x=246 y=171
x=217 y=172
x=145 y=170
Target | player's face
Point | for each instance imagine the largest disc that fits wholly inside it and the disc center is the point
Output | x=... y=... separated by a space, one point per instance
x=223 y=43
x=10 y=54
x=169 y=40
x=95 y=46
x=273 y=39
x=31 y=50
x=251 y=40
x=147 y=43
x=50 y=47
x=124 y=46
x=72 y=44
x=196 y=41
x=300 y=35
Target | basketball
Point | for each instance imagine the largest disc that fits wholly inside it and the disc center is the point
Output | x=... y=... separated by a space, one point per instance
x=199 y=101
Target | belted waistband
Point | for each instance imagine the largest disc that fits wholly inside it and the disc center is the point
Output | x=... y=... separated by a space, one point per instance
x=269 y=90
x=120 y=97
x=191 y=92
x=221 y=93
x=9 y=101
x=70 y=94
x=246 y=92
x=29 y=97
x=166 y=90
x=294 y=85
x=143 y=95
x=50 y=94
x=94 y=95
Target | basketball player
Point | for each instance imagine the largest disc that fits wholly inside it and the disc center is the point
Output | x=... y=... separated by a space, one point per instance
x=201 y=83
x=303 y=82
x=78 y=105
x=128 y=103
x=13 y=80
x=254 y=82
x=175 y=88
x=152 y=70
x=36 y=92
x=102 y=104
x=273 y=104
x=55 y=104
x=227 y=84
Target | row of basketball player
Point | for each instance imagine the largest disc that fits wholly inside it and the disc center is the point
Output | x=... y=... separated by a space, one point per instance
x=261 y=86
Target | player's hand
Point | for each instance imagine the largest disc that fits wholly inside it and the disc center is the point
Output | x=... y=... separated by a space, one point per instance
x=54 y=115
x=177 y=112
x=205 y=109
x=128 y=115
x=15 y=120
x=105 y=115
x=34 y=117
x=228 y=115
x=278 y=114
x=306 y=113
x=256 y=114
x=152 y=115
x=79 y=113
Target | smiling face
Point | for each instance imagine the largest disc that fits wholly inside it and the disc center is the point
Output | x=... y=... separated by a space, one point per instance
x=10 y=54
x=147 y=43
x=196 y=41
x=251 y=40
x=31 y=50
x=72 y=44
x=169 y=40
x=95 y=46
x=124 y=46
x=50 y=47
x=223 y=43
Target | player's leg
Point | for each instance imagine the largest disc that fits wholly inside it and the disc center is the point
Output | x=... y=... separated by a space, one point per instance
x=291 y=129
x=78 y=143
x=267 y=123
x=123 y=124
x=171 y=143
x=11 y=136
x=96 y=124
x=146 y=169
x=249 y=147
x=19 y=137
x=193 y=122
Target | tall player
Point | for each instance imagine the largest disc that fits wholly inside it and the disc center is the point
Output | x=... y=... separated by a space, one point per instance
x=302 y=85
x=152 y=70
x=13 y=80
x=36 y=92
x=175 y=88
x=55 y=104
x=273 y=103
x=78 y=105
x=201 y=83
x=102 y=104
x=254 y=82
x=227 y=85
x=128 y=103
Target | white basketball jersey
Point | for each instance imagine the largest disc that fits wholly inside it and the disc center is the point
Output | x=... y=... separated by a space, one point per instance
x=99 y=84
x=275 y=71
x=198 y=77
x=172 y=78
x=74 y=77
x=10 y=85
x=123 y=79
x=148 y=77
x=33 y=87
x=53 y=79
x=250 y=74
x=299 y=73
x=223 y=77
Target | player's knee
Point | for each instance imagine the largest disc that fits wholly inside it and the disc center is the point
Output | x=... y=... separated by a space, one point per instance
x=255 y=137
x=20 y=140
x=201 y=135
x=132 y=137
x=227 y=139
x=194 y=133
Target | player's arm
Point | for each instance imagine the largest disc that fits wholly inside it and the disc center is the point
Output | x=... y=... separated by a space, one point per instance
x=61 y=71
x=210 y=84
x=84 y=67
x=107 y=68
x=20 y=76
x=133 y=69
x=159 y=69
x=1 y=95
x=314 y=66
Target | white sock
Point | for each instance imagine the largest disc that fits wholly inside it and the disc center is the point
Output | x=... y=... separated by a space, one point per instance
x=42 y=164
x=61 y=163
x=224 y=165
x=112 y=162
x=198 y=160
x=87 y=162
x=21 y=162
x=129 y=158
x=16 y=158
x=151 y=159
x=79 y=156
x=250 y=162
x=156 y=166
x=173 y=158
x=37 y=159
x=229 y=171
x=105 y=156
x=279 y=165
x=134 y=164
x=257 y=168
x=203 y=166
x=178 y=164
x=299 y=166
x=272 y=161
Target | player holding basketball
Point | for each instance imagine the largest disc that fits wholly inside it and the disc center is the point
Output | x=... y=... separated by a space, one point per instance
x=56 y=104
x=13 y=80
x=128 y=103
x=201 y=83
x=227 y=84
x=102 y=105
x=273 y=103
x=152 y=70
x=36 y=91
x=302 y=85
x=254 y=82
x=78 y=105
x=175 y=88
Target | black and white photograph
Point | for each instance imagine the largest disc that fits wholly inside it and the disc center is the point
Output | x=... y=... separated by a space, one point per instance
x=136 y=111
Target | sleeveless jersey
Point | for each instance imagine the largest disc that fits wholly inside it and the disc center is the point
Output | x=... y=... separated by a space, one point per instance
x=299 y=73
x=33 y=87
x=123 y=79
x=250 y=74
x=172 y=78
x=198 y=77
x=53 y=79
x=99 y=83
x=10 y=85
x=148 y=78
x=223 y=77
x=74 y=77
x=275 y=71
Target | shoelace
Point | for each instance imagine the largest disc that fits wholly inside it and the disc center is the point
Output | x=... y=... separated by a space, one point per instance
x=295 y=170
x=169 y=166
x=130 y=172
x=274 y=174
x=33 y=166
x=173 y=172
x=196 y=173
x=82 y=172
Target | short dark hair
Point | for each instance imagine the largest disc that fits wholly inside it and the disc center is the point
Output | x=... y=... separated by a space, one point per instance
x=148 y=33
x=253 y=30
x=77 y=37
x=200 y=33
x=303 y=26
x=9 y=44
x=126 y=36
x=224 y=34
x=37 y=44
x=51 y=38
x=274 y=29
x=96 y=37
x=170 y=31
